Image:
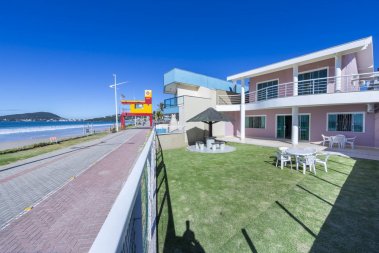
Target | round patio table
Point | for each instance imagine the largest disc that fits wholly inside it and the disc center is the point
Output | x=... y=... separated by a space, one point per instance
x=300 y=152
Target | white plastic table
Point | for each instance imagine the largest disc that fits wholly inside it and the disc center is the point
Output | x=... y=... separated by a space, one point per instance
x=300 y=152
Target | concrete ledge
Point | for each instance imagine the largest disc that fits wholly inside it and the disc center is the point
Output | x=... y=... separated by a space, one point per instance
x=172 y=140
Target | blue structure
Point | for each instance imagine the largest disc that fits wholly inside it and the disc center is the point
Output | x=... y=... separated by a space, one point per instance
x=178 y=77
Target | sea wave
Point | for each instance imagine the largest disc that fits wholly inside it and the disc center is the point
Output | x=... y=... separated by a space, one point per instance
x=18 y=130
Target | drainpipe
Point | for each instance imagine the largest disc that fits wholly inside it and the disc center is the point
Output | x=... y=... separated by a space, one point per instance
x=242 y=126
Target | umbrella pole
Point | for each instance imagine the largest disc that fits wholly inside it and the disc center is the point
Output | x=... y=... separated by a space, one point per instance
x=210 y=129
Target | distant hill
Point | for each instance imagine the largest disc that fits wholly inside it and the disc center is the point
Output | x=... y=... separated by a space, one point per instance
x=111 y=118
x=34 y=116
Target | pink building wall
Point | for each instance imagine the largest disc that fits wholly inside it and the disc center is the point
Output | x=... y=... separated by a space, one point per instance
x=376 y=129
x=318 y=123
x=284 y=76
x=349 y=66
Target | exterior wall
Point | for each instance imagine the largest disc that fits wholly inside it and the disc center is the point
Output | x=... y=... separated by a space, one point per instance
x=318 y=123
x=328 y=63
x=194 y=91
x=171 y=141
x=284 y=76
x=365 y=60
x=377 y=129
x=232 y=128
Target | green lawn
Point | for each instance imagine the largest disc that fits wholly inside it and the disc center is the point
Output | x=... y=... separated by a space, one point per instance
x=240 y=202
x=13 y=155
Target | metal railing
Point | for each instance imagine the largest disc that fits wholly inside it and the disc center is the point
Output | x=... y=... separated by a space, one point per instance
x=327 y=85
x=130 y=225
x=169 y=129
x=173 y=102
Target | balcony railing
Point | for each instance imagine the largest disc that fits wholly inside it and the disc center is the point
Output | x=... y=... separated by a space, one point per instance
x=131 y=223
x=173 y=102
x=327 y=85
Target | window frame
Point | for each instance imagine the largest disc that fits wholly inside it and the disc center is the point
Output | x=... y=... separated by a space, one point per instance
x=352 y=120
x=256 y=116
x=314 y=70
x=267 y=81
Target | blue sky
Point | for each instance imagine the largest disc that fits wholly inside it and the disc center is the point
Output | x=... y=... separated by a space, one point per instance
x=59 y=56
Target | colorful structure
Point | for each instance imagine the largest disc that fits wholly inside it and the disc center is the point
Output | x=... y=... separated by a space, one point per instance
x=139 y=108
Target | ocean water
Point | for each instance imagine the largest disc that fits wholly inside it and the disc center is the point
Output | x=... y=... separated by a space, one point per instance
x=15 y=131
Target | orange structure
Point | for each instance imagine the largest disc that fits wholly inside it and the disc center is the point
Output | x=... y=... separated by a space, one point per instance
x=139 y=108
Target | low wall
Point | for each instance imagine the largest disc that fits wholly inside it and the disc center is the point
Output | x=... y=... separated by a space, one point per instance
x=173 y=140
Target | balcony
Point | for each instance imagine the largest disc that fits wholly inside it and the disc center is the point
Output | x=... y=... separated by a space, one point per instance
x=177 y=77
x=308 y=92
x=171 y=105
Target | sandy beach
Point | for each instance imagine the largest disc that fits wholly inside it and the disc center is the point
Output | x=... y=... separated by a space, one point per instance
x=22 y=143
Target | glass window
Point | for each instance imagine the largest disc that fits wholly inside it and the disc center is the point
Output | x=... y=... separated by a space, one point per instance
x=314 y=82
x=358 y=122
x=255 y=122
x=267 y=90
x=346 y=122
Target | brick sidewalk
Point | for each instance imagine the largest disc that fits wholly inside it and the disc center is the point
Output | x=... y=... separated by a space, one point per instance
x=69 y=220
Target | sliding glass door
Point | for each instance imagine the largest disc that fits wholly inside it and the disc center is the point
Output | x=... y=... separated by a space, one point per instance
x=284 y=127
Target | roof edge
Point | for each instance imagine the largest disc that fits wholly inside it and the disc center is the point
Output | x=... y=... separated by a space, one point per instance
x=364 y=42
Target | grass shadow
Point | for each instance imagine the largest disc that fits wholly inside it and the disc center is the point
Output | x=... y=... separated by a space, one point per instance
x=167 y=240
x=353 y=223
x=249 y=241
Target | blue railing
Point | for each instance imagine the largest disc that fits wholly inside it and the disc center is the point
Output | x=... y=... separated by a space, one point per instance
x=173 y=102
x=195 y=79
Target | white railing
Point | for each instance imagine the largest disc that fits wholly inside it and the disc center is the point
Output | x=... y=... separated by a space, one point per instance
x=345 y=83
x=130 y=225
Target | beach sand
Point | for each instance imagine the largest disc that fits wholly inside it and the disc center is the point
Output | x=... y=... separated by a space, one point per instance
x=23 y=143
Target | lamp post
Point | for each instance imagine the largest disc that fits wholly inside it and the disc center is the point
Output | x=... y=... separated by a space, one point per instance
x=115 y=97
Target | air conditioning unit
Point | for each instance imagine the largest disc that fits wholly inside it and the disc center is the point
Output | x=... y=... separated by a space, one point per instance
x=370 y=108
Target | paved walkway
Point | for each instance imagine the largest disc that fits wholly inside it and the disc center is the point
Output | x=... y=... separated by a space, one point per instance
x=358 y=152
x=71 y=192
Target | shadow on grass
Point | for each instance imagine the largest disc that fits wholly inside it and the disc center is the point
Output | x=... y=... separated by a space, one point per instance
x=353 y=223
x=327 y=202
x=296 y=219
x=248 y=240
x=167 y=240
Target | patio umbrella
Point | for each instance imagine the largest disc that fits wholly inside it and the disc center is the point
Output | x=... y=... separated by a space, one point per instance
x=210 y=116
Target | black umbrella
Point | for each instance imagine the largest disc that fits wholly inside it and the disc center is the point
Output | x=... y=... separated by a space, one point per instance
x=210 y=116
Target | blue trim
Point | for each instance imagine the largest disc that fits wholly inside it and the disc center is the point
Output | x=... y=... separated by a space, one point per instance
x=176 y=76
x=171 y=110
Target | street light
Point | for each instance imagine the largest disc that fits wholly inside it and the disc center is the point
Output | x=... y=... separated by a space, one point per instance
x=115 y=97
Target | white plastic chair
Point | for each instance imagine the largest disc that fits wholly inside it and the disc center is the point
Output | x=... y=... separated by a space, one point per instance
x=309 y=160
x=323 y=161
x=350 y=141
x=325 y=139
x=339 y=139
x=283 y=158
x=283 y=149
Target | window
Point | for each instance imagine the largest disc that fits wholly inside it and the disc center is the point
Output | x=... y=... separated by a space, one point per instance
x=346 y=122
x=255 y=122
x=314 y=82
x=138 y=106
x=267 y=90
